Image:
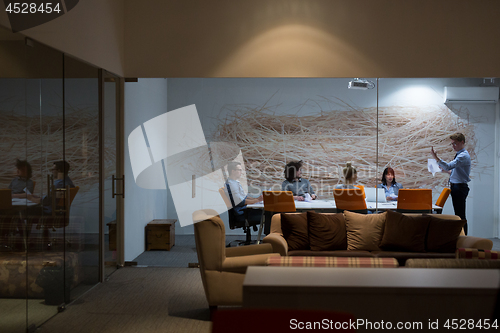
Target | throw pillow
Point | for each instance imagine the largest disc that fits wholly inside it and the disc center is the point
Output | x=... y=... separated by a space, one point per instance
x=326 y=231
x=443 y=234
x=364 y=231
x=294 y=228
x=404 y=233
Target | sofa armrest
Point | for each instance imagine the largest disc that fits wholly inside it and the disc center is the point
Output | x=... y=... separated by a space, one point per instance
x=474 y=243
x=278 y=243
x=248 y=250
x=240 y=264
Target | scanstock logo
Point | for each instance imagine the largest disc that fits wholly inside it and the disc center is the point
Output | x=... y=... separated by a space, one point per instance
x=28 y=14
x=171 y=149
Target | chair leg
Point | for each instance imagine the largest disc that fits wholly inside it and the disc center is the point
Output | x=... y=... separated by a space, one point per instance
x=248 y=239
x=261 y=226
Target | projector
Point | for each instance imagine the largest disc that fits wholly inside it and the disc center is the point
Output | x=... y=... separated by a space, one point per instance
x=359 y=84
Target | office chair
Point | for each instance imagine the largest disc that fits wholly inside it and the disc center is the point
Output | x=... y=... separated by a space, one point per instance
x=362 y=188
x=352 y=200
x=60 y=214
x=442 y=199
x=414 y=201
x=234 y=223
x=5 y=218
x=275 y=202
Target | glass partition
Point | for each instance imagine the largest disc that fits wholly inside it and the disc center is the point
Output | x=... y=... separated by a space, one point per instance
x=81 y=147
x=392 y=123
x=111 y=94
x=13 y=111
x=45 y=141
x=50 y=181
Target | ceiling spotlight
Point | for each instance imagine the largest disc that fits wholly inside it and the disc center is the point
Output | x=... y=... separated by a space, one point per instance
x=362 y=84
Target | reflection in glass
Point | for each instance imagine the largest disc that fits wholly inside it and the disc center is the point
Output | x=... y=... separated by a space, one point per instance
x=48 y=248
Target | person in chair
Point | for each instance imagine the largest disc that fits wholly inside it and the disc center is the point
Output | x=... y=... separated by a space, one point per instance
x=22 y=182
x=59 y=172
x=239 y=199
x=295 y=183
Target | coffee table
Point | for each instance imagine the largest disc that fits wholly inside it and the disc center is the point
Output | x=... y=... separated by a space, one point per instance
x=375 y=294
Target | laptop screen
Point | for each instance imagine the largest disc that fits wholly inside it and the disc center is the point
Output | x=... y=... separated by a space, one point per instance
x=373 y=196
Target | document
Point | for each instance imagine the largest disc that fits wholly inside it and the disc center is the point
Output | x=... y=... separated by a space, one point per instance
x=27 y=191
x=433 y=166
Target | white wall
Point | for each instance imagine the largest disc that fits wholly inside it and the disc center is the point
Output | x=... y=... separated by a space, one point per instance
x=144 y=100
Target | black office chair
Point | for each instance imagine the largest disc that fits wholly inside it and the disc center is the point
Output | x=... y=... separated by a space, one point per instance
x=236 y=221
x=7 y=222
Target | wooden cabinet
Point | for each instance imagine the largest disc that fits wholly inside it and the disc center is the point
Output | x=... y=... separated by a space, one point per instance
x=112 y=235
x=160 y=234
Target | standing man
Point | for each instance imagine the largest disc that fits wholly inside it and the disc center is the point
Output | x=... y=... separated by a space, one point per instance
x=460 y=171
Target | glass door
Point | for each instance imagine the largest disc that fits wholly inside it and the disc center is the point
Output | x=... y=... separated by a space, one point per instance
x=112 y=171
x=43 y=234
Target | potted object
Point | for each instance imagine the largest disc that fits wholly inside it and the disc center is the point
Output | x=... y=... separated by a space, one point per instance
x=55 y=286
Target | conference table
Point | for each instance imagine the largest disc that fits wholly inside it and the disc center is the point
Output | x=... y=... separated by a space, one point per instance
x=329 y=205
x=324 y=206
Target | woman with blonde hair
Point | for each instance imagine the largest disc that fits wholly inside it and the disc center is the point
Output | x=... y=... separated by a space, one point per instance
x=350 y=177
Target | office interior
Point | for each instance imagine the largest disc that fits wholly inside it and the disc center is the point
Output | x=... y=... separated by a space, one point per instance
x=278 y=85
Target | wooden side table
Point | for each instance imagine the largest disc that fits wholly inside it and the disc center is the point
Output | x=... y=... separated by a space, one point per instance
x=160 y=234
x=112 y=235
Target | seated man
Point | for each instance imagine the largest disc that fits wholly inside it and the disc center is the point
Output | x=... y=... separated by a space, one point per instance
x=59 y=171
x=238 y=198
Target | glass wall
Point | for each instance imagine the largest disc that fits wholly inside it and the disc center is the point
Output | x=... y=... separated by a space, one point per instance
x=49 y=210
x=391 y=124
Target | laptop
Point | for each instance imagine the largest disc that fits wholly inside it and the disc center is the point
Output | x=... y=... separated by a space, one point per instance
x=371 y=194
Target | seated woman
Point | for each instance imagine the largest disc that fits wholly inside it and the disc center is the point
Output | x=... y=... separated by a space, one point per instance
x=22 y=181
x=350 y=177
x=295 y=183
x=389 y=184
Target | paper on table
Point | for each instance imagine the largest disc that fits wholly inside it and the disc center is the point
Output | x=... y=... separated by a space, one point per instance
x=27 y=191
x=432 y=166
x=308 y=198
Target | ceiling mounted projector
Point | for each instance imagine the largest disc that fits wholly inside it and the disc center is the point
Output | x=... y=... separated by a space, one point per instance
x=362 y=84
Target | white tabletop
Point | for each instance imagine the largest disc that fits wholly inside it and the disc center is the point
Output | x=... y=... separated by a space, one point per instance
x=22 y=202
x=330 y=204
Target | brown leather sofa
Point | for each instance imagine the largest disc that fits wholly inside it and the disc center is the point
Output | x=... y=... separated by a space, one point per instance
x=443 y=230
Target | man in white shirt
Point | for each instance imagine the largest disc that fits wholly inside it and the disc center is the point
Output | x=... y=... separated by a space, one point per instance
x=238 y=197
x=459 y=177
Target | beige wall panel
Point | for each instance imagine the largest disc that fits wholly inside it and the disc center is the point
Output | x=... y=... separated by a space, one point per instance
x=313 y=38
x=92 y=31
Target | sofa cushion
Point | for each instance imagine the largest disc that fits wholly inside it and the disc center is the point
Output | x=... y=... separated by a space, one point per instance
x=364 y=231
x=296 y=261
x=404 y=233
x=401 y=257
x=468 y=253
x=326 y=231
x=443 y=234
x=294 y=228
x=452 y=263
x=338 y=253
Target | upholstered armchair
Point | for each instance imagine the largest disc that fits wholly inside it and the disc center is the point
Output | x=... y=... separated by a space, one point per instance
x=223 y=269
